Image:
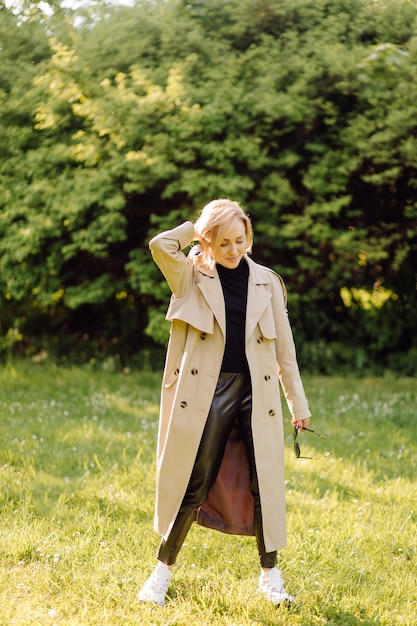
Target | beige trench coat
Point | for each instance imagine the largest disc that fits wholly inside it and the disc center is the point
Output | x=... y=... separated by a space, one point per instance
x=193 y=362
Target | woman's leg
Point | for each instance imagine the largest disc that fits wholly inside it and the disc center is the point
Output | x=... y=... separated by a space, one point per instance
x=169 y=547
x=268 y=559
x=270 y=583
x=224 y=408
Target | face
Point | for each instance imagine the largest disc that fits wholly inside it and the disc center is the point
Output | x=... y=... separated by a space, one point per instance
x=233 y=246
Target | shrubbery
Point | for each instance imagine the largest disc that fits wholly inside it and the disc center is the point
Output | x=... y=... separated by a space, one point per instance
x=117 y=122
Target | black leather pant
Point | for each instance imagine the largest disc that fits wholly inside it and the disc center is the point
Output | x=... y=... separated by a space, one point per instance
x=232 y=399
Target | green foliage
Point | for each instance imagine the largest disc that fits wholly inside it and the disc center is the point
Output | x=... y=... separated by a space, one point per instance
x=120 y=121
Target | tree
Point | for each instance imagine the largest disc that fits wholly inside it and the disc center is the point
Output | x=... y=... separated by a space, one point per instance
x=128 y=119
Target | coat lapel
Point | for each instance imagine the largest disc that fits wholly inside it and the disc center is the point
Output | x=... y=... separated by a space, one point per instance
x=211 y=289
x=258 y=297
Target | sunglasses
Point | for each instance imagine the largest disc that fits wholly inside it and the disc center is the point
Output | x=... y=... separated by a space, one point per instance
x=297 y=446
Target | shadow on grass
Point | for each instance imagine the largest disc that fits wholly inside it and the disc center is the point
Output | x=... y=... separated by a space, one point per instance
x=211 y=603
x=339 y=618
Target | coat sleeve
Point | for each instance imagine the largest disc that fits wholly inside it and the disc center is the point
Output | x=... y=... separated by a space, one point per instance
x=166 y=251
x=288 y=370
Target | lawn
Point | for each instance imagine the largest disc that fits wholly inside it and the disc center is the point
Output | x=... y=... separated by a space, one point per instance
x=77 y=449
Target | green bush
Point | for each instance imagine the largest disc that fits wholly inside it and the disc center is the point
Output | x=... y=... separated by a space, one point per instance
x=120 y=121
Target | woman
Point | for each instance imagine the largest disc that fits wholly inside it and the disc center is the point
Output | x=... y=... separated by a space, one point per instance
x=220 y=454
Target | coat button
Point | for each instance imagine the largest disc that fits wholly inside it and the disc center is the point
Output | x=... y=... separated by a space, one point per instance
x=183 y=404
x=176 y=372
x=260 y=340
x=194 y=371
x=271 y=412
x=203 y=336
x=267 y=377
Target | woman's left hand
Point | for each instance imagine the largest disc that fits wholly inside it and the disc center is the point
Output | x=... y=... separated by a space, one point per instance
x=301 y=424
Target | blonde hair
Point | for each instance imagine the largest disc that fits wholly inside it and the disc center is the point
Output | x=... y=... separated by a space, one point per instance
x=215 y=221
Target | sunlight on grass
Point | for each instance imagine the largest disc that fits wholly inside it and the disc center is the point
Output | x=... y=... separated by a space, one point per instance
x=77 y=487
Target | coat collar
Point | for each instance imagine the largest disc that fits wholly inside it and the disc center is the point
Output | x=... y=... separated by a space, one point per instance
x=201 y=312
x=258 y=297
x=258 y=274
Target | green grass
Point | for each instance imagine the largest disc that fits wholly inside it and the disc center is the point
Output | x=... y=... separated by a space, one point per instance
x=76 y=503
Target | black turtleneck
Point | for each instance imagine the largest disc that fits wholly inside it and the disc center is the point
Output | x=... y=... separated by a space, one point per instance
x=235 y=290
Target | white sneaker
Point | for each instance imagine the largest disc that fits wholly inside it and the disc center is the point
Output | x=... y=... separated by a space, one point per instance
x=272 y=587
x=156 y=587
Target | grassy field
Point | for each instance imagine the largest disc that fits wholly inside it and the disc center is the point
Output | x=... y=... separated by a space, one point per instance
x=76 y=504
